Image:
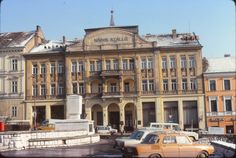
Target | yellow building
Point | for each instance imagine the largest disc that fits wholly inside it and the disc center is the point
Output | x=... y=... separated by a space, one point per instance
x=125 y=78
x=12 y=65
x=220 y=81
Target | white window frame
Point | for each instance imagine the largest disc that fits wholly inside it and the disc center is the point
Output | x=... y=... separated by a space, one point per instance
x=172 y=62
x=174 y=85
x=92 y=66
x=81 y=66
x=113 y=87
x=143 y=63
x=165 y=85
x=14 y=86
x=184 y=84
x=144 y=85
x=115 y=64
x=81 y=88
x=60 y=89
x=43 y=90
x=53 y=89
x=150 y=63
x=125 y=64
x=14 y=64
x=193 y=84
x=52 y=68
x=164 y=62
x=224 y=84
x=217 y=105
x=14 y=111
x=34 y=69
x=126 y=87
x=191 y=61
x=150 y=85
x=99 y=65
x=43 y=68
x=183 y=62
x=60 y=68
x=34 y=90
x=73 y=66
x=209 y=83
x=131 y=64
x=228 y=98
x=108 y=65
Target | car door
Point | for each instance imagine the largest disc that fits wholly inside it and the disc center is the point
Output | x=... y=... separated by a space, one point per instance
x=169 y=147
x=186 y=148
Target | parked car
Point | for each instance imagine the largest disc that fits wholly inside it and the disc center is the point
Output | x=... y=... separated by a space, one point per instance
x=135 y=138
x=105 y=130
x=174 y=126
x=168 y=144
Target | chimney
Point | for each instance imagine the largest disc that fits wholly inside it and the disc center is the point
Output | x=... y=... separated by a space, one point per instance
x=64 y=39
x=37 y=35
x=227 y=55
x=174 y=35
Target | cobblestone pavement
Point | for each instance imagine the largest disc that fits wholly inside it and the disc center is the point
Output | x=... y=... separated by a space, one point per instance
x=104 y=148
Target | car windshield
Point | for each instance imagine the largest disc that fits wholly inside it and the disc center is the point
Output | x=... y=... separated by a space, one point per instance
x=150 y=139
x=136 y=135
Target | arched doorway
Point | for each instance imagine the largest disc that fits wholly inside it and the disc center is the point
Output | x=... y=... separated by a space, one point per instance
x=97 y=114
x=130 y=117
x=114 y=115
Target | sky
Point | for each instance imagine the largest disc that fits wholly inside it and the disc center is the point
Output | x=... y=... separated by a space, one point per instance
x=212 y=20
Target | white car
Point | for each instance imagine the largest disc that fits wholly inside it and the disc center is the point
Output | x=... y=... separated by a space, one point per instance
x=105 y=130
x=135 y=138
x=175 y=127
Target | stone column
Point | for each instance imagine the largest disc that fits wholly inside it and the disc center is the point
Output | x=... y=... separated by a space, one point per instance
x=68 y=76
x=122 y=113
x=179 y=78
x=138 y=75
x=201 y=112
x=48 y=112
x=105 y=116
x=181 y=113
x=139 y=113
x=88 y=112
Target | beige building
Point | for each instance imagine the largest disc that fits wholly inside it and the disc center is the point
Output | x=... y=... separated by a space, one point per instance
x=12 y=83
x=123 y=78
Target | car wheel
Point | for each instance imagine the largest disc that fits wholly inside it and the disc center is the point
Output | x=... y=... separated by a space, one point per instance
x=155 y=156
x=202 y=154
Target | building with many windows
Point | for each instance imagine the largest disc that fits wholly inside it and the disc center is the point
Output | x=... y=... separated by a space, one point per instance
x=123 y=77
x=12 y=83
x=219 y=82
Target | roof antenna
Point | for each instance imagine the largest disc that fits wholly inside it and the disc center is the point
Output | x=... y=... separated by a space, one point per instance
x=112 y=23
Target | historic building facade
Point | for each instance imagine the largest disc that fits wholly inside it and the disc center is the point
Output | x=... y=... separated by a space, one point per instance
x=12 y=83
x=122 y=76
x=219 y=82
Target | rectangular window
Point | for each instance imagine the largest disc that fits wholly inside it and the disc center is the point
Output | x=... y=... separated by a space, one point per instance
x=60 y=68
x=14 y=64
x=193 y=84
x=228 y=104
x=108 y=65
x=144 y=85
x=143 y=63
x=213 y=105
x=74 y=85
x=113 y=87
x=173 y=84
x=115 y=65
x=35 y=69
x=53 y=68
x=151 y=85
x=212 y=85
x=125 y=64
x=14 y=86
x=81 y=88
x=165 y=85
x=126 y=86
x=43 y=69
x=53 y=89
x=99 y=65
x=43 y=90
x=81 y=66
x=184 y=84
x=226 y=84
x=183 y=62
x=191 y=62
x=74 y=67
x=13 y=111
x=61 y=89
x=164 y=63
x=92 y=66
x=172 y=62
x=35 y=90
x=99 y=88
x=150 y=63
x=131 y=64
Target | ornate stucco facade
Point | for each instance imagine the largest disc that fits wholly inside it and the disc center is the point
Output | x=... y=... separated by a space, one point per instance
x=12 y=70
x=124 y=78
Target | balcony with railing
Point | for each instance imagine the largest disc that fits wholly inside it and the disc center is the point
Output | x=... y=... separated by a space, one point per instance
x=148 y=93
x=45 y=97
x=93 y=95
x=112 y=95
x=110 y=73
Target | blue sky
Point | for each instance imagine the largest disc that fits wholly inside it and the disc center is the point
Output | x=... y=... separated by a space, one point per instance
x=212 y=20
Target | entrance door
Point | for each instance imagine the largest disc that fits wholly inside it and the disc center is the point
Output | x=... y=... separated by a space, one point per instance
x=99 y=118
x=229 y=129
x=114 y=119
x=41 y=114
x=128 y=121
